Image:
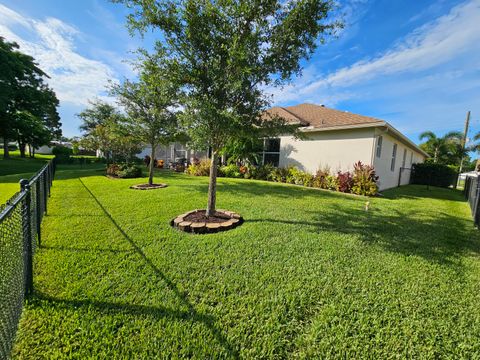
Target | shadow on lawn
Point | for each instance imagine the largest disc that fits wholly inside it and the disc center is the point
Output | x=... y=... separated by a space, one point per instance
x=439 y=237
x=421 y=192
x=192 y=314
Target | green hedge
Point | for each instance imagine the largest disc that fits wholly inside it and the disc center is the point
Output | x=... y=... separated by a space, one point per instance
x=433 y=174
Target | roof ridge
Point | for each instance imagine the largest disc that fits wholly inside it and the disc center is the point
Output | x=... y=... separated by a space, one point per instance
x=301 y=120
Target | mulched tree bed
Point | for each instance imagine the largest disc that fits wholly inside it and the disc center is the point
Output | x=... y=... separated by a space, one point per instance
x=196 y=222
x=148 y=187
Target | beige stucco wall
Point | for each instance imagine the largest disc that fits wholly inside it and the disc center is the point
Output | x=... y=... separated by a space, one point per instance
x=388 y=178
x=337 y=149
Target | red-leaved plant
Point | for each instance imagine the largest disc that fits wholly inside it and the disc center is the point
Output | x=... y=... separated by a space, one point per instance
x=344 y=182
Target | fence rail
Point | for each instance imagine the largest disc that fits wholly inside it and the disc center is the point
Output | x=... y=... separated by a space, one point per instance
x=20 y=219
x=471 y=190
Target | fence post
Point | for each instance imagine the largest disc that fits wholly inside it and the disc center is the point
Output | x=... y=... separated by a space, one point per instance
x=44 y=183
x=38 y=212
x=476 y=204
x=27 y=237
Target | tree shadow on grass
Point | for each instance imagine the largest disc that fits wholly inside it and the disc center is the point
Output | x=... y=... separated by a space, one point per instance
x=192 y=314
x=258 y=188
x=422 y=191
x=438 y=238
x=157 y=312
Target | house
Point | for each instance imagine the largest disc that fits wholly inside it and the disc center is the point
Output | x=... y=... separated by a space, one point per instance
x=331 y=138
x=338 y=139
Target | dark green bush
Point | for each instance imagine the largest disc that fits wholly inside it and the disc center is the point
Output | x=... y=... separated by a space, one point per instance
x=433 y=174
x=124 y=171
x=63 y=154
x=263 y=172
x=61 y=151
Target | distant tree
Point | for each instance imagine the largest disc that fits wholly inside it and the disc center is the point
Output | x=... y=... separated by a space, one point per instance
x=440 y=148
x=30 y=130
x=22 y=89
x=98 y=113
x=107 y=130
x=223 y=54
x=149 y=103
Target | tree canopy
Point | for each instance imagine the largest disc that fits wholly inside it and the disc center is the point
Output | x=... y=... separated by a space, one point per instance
x=23 y=89
x=223 y=54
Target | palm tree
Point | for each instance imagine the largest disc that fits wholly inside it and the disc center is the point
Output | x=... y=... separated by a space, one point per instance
x=439 y=146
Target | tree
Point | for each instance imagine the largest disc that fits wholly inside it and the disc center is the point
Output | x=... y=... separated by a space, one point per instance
x=223 y=54
x=149 y=104
x=22 y=89
x=98 y=113
x=30 y=130
x=439 y=148
x=107 y=130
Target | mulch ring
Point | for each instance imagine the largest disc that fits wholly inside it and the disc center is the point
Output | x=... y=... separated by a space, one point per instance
x=196 y=222
x=148 y=187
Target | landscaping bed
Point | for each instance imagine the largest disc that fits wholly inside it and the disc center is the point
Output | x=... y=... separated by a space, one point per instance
x=198 y=222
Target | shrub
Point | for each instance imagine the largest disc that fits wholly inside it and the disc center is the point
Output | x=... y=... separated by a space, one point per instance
x=364 y=180
x=62 y=154
x=61 y=151
x=231 y=171
x=124 y=170
x=433 y=174
x=299 y=177
x=344 y=182
x=320 y=179
x=280 y=174
x=113 y=169
x=199 y=167
x=263 y=172
x=331 y=182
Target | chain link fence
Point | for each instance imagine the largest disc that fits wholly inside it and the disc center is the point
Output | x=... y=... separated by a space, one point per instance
x=471 y=190
x=20 y=219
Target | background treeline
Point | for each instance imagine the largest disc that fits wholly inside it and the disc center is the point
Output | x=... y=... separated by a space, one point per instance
x=28 y=106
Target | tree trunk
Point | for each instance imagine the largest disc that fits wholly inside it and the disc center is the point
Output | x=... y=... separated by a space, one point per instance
x=6 y=152
x=152 y=164
x=212 y=185
x=435 y=155
x=21 y=146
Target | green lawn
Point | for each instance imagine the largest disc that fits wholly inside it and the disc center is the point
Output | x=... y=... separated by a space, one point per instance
x=16 y=168
x=310 y=274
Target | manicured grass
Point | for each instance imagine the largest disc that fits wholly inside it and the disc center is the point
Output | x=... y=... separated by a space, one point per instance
x=16 y=168
x=310 y=274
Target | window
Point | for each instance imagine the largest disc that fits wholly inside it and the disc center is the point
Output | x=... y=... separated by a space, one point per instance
x=411 y=158
x=379 y=146
x=404 y=158
x=394 y=156
x=271 y=151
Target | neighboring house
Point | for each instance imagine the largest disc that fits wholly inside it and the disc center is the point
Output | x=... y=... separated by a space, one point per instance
x=47 y=149
x=338 y=139
x=174 y=152
x=332 y=138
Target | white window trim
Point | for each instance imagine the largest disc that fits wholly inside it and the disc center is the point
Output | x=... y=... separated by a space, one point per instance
x=394 y=158
x=378 y=148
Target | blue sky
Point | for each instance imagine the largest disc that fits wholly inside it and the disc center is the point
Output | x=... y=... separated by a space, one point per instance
x=415 y=64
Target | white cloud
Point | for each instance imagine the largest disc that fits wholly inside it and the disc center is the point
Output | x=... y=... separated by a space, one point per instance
x=51 y=42
x=436 y=43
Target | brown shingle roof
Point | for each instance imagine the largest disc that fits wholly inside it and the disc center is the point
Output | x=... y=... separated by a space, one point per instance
x=320 y=116
x=284 y=114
